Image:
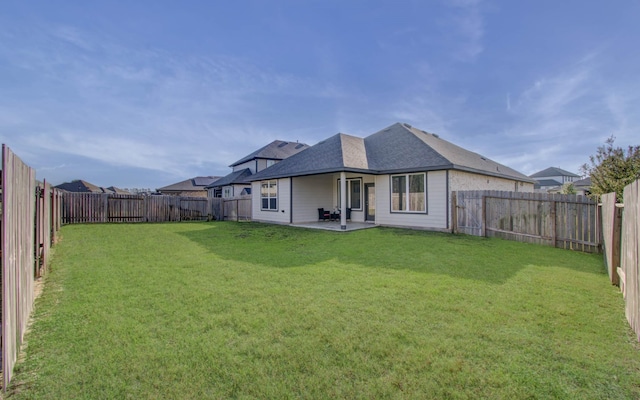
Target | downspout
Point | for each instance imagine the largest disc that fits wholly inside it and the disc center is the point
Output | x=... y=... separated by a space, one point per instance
x=343 y=200
x=291 y=199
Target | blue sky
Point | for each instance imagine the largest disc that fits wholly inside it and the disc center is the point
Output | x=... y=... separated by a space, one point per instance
x=148 y=93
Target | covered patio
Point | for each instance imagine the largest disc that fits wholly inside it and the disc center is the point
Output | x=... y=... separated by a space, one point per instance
x=335 y=225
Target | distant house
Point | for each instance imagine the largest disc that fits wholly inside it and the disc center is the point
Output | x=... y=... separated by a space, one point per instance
x=583 y=186
x=80 y=186
x=399 y=176
x=194 y=187
x=116 y=190
x=552 y=179
x=237 y=183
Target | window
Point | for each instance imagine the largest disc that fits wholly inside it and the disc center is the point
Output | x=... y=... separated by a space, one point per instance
x=269 y=195
x=408 y=193
x=270 y=163
x=227 y=192
x=354 y=194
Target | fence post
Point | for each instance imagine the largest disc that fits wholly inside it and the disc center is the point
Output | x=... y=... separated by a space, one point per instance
x=554 y=232
x=454 y=212
x=483 y=230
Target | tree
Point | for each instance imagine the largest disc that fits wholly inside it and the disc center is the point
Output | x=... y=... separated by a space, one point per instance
x=612 y=168
x=568 y=188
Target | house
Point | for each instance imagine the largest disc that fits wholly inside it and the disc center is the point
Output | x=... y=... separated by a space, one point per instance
x=552 y=179
x=399 y=176
x=80 y=186
x=116 y=190
x=583 y=186
x=194 y=187
x=236 y=183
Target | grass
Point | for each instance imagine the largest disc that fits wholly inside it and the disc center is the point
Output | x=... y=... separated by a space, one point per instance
x=243 y=310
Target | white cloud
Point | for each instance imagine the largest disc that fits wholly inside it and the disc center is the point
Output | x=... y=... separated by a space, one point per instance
x=146 y=108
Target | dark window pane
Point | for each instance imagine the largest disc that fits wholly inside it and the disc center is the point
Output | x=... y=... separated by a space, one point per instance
x=355 y=194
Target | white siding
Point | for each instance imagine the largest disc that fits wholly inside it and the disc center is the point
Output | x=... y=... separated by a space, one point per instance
x=459 y=180
x=436 y=216
x=249 y=164
x=309 y=194
x=356 y=215
x=282 y=214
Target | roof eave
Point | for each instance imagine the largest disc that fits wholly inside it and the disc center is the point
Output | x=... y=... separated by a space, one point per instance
x=494 y=174
x=313 y=172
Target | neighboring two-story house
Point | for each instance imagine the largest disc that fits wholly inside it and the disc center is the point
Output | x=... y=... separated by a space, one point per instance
x=236 y=183
x=553 y=178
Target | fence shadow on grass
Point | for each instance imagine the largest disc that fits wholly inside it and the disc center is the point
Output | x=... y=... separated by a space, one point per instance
x=459 y=256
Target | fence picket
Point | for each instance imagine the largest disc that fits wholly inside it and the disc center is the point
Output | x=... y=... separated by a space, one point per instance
x=565 y=221
x=105 y=207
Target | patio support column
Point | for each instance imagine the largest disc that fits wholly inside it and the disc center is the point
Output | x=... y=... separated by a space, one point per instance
x=343 y=200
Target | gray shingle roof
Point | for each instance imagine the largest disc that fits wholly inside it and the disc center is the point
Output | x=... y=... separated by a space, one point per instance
x=553 y=171
x=340 y=152
x=586 y=182
x=236 y=177
x=197 y=183
x=397 y=148
x=80 y=186
x=276 y=150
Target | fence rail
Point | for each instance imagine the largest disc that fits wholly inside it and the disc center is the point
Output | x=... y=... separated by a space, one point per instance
x=104 y=207
x=565 y=221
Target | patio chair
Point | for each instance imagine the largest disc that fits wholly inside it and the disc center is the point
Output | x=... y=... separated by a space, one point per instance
x=348 y=214
x=323 y=215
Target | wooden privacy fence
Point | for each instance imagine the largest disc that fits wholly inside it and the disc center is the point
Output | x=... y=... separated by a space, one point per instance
x=237 y=208
x=104 y=207
x=565 y=221
x=29 y=221
x=621 y=231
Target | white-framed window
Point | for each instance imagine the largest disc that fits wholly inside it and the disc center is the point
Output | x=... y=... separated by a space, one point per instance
x=409 y=193
x=270 y=163
x=227 y=192
x=354 y=193
x=269 y=195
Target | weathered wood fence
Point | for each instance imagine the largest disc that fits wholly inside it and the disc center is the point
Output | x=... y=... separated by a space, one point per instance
x=104 y=207
x=237 y=208
x=621 y=228
x=29 y=221
x=564 y=221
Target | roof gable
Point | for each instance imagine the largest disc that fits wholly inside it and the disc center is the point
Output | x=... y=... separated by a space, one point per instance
x=325 y=156
x=553 y=171
x=236 y=177
x=398 y=148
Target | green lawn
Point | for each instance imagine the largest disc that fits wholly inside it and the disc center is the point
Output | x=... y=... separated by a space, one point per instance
x=243 y=310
